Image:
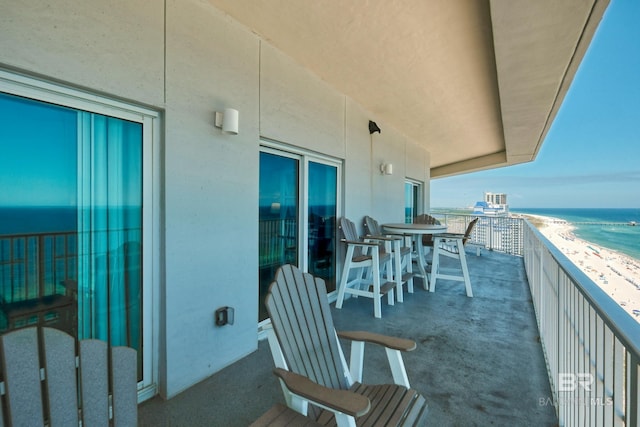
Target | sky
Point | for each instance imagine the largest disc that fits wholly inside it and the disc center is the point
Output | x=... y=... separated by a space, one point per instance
x=590 y=157
x=38 y=163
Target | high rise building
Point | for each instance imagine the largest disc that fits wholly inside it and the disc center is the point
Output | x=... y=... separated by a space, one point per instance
x=495 y=198
x=494 y=204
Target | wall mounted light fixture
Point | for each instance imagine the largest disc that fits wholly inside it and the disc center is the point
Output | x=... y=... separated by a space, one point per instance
x=386 y=169
x=227 y=121
x=373 y=127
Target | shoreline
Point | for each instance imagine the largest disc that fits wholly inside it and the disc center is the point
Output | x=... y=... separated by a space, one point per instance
x=615 y=273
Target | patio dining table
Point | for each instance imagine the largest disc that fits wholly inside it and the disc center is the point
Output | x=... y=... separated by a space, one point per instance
x=416 y=231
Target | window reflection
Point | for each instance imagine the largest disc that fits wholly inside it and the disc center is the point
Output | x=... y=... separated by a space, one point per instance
x=70 y=222
x=278 y=219
x=322 y=220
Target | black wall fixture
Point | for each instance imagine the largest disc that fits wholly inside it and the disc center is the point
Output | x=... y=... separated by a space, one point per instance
x=373 y=127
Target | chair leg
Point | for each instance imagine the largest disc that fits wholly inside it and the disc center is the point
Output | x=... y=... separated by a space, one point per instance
x=377 y=304
x=398 y=370
x=397 y=262
x=345 y=276
x=389 y=278
x=356 y=360
x=363 y=278
x=435 y=264
x=465 y=269
x=409 y=268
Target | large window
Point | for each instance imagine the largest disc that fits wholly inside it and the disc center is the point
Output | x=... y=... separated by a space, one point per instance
x=297 y=220
x=75 y=215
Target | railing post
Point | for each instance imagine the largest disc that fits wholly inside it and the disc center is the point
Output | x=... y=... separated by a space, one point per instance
x=41 y=262
x=560 y=343
x=633 y=394
x=491 y=246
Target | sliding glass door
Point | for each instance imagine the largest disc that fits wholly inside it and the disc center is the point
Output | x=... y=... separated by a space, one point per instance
x=321 y=221
x=278 y=218
x=297 y=217
x=71 y=212
x=412 y=200
x=76 y=217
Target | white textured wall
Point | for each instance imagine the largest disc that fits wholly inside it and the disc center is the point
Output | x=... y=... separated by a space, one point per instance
x=388 y=190
x=113 y=48
x=211 y=192
x=358 y=171
x=188 y=63
x=418 y=164
x=297 y=107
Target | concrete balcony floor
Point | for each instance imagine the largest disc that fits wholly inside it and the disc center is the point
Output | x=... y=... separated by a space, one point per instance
x=478 y=362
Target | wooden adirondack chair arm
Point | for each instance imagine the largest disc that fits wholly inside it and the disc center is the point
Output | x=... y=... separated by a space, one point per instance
x=358 y=243
x=450 y=235
x=343 y=401
x=386 y=238
x=394 y=343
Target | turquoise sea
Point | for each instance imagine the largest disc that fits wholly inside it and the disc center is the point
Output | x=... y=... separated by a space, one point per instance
x=611 y=228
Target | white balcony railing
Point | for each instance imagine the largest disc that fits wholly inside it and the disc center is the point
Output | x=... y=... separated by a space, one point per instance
x=502 y=234
x=591 y=345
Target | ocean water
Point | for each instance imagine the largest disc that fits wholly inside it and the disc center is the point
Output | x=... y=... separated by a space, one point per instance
x=620 y=237
x=54 y=219
x=37 y=219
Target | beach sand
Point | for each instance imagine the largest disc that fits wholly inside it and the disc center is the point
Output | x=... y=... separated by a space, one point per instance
x=615 y=273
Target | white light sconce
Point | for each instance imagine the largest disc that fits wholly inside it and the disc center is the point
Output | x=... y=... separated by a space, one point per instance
x=227 y=121
x=386 y=169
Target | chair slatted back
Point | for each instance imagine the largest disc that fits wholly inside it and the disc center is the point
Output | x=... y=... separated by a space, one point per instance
x=29 y=403
x=350 y=232
x=467 y=233
x=426 y=219
x=124 y=386
x=427 y=239
x=21 y=369
x=372 y=226
x=93 y=376
x=60 y=367
x=299 y=309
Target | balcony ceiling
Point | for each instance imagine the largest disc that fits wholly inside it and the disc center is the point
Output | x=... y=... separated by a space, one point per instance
x=477 y=83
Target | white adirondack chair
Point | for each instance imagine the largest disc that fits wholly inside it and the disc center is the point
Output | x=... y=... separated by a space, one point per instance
x=313 y=372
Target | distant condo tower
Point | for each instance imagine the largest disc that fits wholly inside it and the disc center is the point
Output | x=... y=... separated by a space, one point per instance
x=494 y=204
x=496 y=198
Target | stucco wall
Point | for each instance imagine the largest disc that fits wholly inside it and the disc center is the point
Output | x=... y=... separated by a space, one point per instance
x=188 y=60
x=417 y=164
x=116 y=48
x=314 y=121
x=211 y=192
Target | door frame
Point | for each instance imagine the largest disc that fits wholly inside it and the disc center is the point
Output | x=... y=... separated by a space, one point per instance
x=43 y=91
x=304 y=157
